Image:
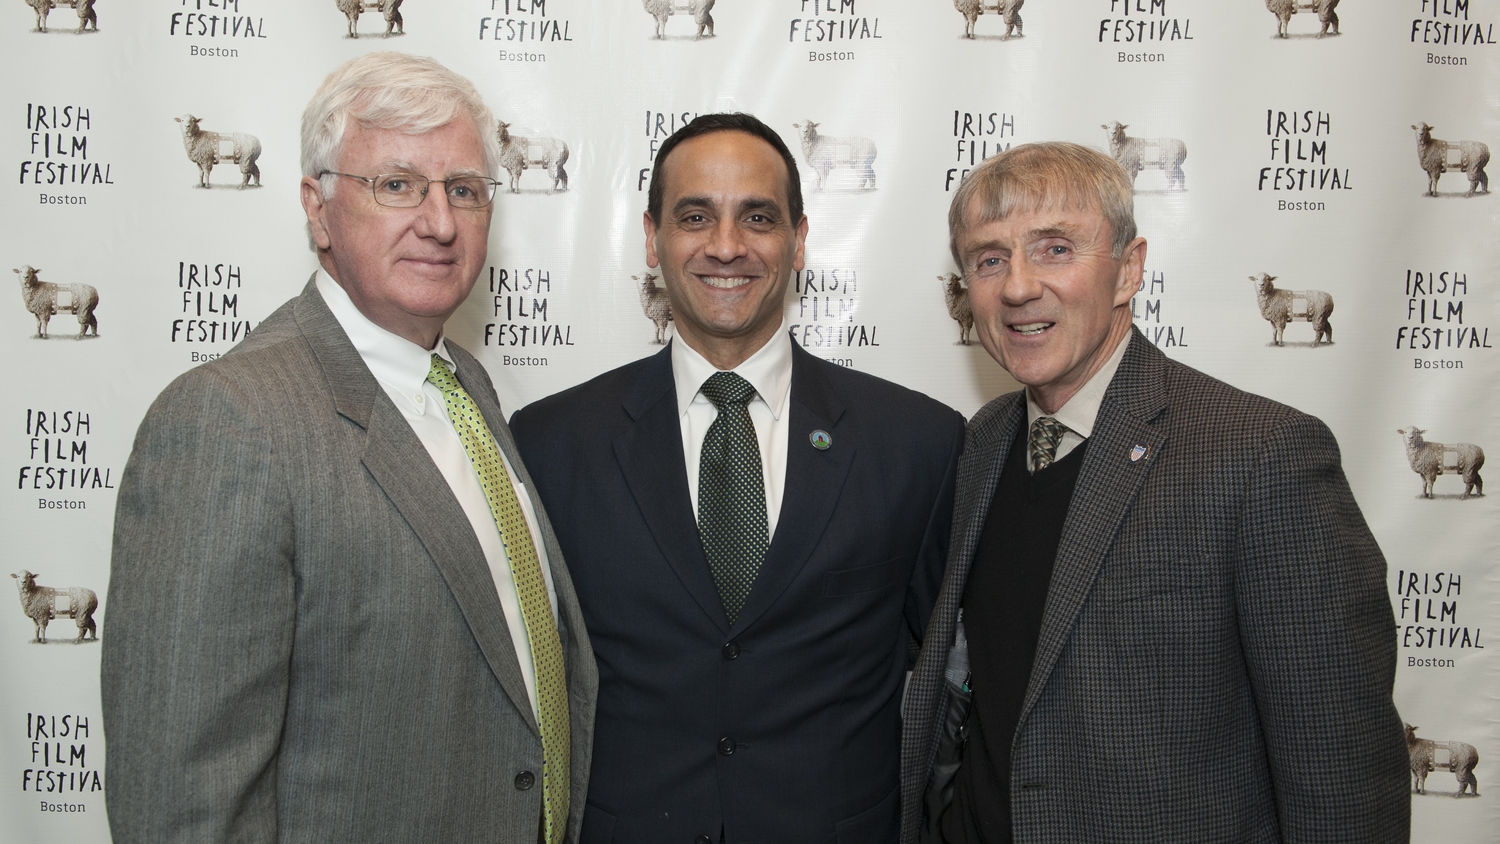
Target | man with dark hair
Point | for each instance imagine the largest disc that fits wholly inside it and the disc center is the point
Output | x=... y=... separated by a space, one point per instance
x=756 y=534
x=1164 y=618
x=719 y=122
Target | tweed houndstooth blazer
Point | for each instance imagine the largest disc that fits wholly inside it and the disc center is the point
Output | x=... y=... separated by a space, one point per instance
x=1217 y=651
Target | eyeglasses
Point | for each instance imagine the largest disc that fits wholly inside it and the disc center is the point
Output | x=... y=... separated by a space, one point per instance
x=407 y=190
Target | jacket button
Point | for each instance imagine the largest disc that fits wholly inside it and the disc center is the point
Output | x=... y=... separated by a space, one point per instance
x=726 y=746
x=703 y=839
x=525 y=780
x=731 y=651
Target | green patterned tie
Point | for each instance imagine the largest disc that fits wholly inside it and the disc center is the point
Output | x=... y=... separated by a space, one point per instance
x=1046 y=433
x=536 y=608
x=732 y=493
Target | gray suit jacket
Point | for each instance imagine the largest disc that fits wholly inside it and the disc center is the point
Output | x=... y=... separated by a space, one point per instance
x=304 y=639
x=1217 y=649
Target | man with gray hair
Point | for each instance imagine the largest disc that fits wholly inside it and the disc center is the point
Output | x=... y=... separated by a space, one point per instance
x=1164 y=618
x=336 y=609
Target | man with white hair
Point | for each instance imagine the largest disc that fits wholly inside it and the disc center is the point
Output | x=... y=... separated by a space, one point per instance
x=336 y=610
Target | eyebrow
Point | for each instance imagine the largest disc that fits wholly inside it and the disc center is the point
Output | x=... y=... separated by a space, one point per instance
x=408 y=167
x=1055 y=230
x=752 y=204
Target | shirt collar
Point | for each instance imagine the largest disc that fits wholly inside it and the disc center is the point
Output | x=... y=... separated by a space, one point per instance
x=769 y=371
x=1080 y=411
x=392 y=359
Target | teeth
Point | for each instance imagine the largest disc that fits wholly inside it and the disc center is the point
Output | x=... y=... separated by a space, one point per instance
x=723 y=283
x=1032 y=327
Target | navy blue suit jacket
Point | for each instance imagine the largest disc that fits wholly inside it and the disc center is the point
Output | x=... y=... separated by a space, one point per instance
x=804 y=689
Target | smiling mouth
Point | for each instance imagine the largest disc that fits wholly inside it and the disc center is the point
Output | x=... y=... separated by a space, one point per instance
x=1031 y=329
x=723 y=282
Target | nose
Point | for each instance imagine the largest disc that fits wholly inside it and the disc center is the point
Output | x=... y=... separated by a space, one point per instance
x=1022 y=283
x=435 y=216
x=725 y=244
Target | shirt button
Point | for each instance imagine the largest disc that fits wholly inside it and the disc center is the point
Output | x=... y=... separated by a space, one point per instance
x=731 y=651
x=419 y=399
x=525 y=780
x=726 y=746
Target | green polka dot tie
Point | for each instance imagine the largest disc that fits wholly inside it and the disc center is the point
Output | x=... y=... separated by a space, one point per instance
x=1046 y=433
x=732 y=493
x=536 y=608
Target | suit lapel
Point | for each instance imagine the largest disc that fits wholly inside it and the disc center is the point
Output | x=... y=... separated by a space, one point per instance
x=650 y=457
x=1107 y=485
x=814 y=480
x=988 y=440
x=399 y=463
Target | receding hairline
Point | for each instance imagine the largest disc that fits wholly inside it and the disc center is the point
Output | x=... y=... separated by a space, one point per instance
x=785 y=202
x=1040 y=176
x=1062 y=202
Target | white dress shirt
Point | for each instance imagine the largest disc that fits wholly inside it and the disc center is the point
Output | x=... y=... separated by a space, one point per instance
x=769 y=371
x=401 y=367
x=1080 y=411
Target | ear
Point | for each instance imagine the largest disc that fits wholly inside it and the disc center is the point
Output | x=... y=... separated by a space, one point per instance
x=798 y=261
x=316 y=209
x=1132 y=267
x=652 y=259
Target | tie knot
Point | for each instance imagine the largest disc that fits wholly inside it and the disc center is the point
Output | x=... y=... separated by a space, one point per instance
x=441 y=377
x=727 y=388
x=1046 y=433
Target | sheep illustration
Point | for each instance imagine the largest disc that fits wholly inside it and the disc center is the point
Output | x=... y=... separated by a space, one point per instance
x=1430 y=459
x=44 y=603
x=656 y=305
x=206 y=149
x=389 y=9
x=1008 y=10
x=1136 y=154
x=42 y=8
x=1284 y=9
x=699 y=9
x=517 y=153
x=84 y=8
x=1438 y=156
x=86 y=15
x=45 y=300
x=957 y=298
x=824 y=152
x=1282 y=306
x=1428 y=756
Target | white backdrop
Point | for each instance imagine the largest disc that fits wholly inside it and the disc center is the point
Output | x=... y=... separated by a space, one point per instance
x=1301 y=163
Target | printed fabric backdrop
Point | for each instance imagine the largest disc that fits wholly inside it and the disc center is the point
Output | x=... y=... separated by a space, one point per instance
x=1311 y=177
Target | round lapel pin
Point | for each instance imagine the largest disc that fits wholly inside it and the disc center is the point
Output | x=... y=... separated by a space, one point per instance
x=820 y=440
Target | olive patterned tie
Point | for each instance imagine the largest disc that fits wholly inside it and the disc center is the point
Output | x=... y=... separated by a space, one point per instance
x=536 y=607
x=1046 y=433
x=732 y=493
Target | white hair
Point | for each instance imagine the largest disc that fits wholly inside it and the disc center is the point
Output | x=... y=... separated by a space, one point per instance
x=389 y=90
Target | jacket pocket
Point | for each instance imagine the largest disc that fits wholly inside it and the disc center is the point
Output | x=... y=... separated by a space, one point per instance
x=598 y=825
x=861 y=579
x=875 y=825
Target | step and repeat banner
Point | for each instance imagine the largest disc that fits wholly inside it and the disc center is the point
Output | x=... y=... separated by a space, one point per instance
x=1312 y=177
